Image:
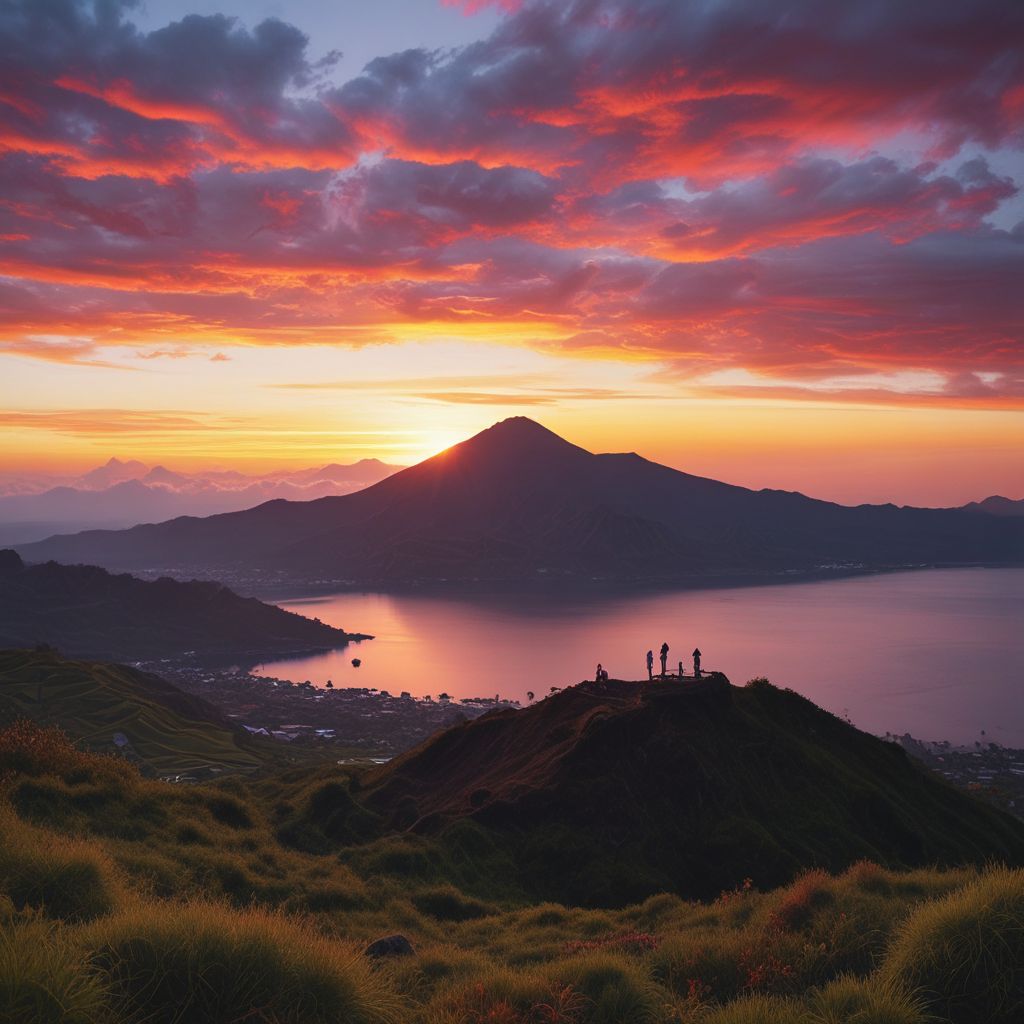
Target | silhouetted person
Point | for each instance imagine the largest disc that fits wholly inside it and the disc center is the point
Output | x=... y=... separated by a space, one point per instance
x=650 y=665
x=600 y=673
x=664 y=660
x=680 y=670
x=696 y=662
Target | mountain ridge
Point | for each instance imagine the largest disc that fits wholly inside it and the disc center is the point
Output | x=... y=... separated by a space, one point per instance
x=517 y=501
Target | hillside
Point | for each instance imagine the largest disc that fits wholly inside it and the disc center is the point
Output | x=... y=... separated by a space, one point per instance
x=609 y=792
x=115 y=709
x=517 y=501
x=86 y=611
x=124 y=899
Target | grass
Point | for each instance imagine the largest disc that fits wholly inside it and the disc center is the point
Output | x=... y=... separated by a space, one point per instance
x=965 y=952
x=45 y=979
x=208 y=963
x=123 y=899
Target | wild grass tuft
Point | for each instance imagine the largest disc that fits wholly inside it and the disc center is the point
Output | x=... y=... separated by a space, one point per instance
x=849 y=1000
x=43 y=979
x=203 y=963
x=965 y=951
x=62 y=878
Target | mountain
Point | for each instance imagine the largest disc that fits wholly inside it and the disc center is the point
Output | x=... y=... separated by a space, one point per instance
x=114 y=709
x=516 y=501
x=997 y=505
x=605 y=793
x=86 y=611
x=122 y=494
x=114 y=471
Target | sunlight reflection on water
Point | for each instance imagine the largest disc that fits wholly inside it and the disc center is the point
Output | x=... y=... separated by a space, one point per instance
x=937 y=653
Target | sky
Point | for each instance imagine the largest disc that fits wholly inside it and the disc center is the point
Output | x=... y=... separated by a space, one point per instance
x=776 y=243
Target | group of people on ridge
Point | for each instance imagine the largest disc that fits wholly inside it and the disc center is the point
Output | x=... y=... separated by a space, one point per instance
x=664 y=663
x=601 y=676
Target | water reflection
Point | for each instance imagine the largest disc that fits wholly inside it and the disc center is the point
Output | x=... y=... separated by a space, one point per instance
x=937 y=653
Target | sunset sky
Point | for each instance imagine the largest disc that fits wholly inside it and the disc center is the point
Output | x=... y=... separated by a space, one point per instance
x=777 y=243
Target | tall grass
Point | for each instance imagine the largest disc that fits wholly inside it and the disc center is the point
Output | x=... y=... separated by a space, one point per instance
x=203 y=963
x=124 y=900
x=63 y=878
x=965 y=952
x=44 y=979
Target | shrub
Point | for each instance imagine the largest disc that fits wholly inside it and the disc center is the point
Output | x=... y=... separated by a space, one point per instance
x=965 y=952
x=206 y=964
x=43 y=980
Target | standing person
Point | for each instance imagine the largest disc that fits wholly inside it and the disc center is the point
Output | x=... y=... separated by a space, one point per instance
x=664 y=660
x=650 y=665
x=600 y=673
x=696 y=662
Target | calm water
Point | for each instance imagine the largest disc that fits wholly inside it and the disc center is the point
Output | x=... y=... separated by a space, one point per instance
x=938 y=653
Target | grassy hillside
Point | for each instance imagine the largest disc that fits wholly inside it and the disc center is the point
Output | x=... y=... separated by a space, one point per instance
x=114 y=708
x=608 y=793
x=124 y=899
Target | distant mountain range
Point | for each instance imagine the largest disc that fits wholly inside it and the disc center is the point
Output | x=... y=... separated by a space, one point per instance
x=997 y=506
x=606 y=793
x=85 y=611
x=121 y=494
x=518 y=502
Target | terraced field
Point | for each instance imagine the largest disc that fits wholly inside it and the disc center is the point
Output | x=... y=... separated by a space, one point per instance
x=115 y=708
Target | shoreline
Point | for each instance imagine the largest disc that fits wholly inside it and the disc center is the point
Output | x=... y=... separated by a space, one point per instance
x=249 y=584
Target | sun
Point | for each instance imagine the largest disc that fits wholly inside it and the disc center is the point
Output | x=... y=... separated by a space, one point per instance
x=433 y=441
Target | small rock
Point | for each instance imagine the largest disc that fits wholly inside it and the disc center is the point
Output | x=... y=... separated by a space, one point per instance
x=390 y=945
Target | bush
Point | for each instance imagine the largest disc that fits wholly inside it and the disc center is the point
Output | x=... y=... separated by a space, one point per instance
x=206 y=964
x=43 y=980
x=965 y=952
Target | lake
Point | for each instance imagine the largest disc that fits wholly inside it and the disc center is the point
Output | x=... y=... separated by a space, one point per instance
x=937 y=653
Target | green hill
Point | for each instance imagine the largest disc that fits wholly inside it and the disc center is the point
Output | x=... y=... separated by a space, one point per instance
x=111 y=708
x=606 y=793
x=124 y=900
